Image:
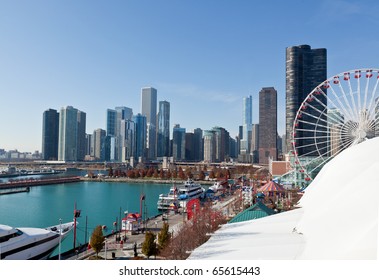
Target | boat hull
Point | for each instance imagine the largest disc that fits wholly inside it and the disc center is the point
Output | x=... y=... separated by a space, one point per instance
x=33 y=243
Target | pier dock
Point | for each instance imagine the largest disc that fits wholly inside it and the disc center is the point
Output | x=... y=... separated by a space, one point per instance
x=24 y=185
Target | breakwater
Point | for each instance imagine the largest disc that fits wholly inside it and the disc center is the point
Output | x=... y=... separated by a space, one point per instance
x=37 y=182
x=142 y=180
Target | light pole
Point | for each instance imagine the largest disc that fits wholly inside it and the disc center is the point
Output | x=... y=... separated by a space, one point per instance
x=126 y=214
x=105 y=242
x=60 y=238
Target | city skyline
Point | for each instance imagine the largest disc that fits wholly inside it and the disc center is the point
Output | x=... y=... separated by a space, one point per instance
x=201 y=57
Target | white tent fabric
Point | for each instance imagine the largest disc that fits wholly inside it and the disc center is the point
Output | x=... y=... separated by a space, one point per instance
x=338 y=218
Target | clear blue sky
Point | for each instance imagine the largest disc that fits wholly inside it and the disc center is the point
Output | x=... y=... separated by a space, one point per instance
x=202 y=56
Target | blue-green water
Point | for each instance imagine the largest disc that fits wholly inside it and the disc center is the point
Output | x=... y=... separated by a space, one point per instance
x=100 y=202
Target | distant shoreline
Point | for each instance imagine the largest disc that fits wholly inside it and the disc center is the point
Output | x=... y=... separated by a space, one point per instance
x=145 y=180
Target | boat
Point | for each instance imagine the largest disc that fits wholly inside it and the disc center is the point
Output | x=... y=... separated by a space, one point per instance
x=31 y=243
x=218 y=186
x=168 y=201
x=190 y=190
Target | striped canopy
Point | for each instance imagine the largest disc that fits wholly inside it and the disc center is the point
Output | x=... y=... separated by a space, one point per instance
x=271 y=187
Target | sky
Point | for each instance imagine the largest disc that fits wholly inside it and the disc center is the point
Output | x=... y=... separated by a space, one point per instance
x=203 y=56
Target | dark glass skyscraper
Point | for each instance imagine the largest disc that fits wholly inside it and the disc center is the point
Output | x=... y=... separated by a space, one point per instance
x=267 y=125
x=140 y=132
x=50 y=134
x=305 y=69
x=178 y=143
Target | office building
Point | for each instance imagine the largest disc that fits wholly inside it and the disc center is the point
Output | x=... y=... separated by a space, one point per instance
x=247 y=122
x=50 y=134
x=72 y=137
x=267 y=125
x=99 y=144
x=140 y=136
x=149 y=109
x=222 y=143
x=163 y=129
x=198 y=144
x=209 y=146
x=114 y=147
x=255 y=143
x=178 y=143
x=128 y=139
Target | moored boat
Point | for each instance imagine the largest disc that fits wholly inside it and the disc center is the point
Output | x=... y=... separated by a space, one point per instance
x=31 y=243
x=190 y=190
x=167 y=201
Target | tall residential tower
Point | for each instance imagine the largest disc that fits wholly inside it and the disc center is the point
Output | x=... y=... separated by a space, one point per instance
x=50 y=133
x=305 y=69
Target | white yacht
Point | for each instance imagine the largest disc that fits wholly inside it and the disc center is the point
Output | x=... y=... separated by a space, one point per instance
x=166 y=201
x=190 y=190
x=218 y=186
x=31 y=243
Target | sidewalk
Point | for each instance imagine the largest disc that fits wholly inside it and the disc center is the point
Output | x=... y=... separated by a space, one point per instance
x=116 y=250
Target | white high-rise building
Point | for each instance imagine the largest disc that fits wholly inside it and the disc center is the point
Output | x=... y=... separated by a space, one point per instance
x=149 y=109
x=247 y=124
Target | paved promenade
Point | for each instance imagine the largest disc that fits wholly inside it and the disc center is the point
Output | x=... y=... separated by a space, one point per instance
x=125 y=250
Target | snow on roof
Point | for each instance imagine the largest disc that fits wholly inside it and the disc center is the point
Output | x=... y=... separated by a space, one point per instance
x=338 y=218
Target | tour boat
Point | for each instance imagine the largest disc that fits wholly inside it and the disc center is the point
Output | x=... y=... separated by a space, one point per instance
x=168 y=201
x=190 y=190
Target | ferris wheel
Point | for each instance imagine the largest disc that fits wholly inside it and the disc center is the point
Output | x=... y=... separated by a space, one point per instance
x=340 y=112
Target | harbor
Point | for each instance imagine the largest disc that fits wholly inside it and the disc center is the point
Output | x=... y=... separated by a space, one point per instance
x=104 y=203
x=101 y=203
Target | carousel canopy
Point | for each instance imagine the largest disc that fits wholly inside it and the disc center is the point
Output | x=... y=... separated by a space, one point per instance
x=271 y=187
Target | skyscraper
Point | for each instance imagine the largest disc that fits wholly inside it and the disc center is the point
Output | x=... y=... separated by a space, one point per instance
x=72 y=138
x=140 y=132
x=127 y=136
x=255 y=143
x=305 y=69
x=209 y=146
x=163 y=131
x=114 y=146
x=247 y=122
x=178 y=143
x=81 y=135
x=198 y=144
x=222 y=143
x=99 y=144
x=50 y=133
x=267 y=125
x=149 y=109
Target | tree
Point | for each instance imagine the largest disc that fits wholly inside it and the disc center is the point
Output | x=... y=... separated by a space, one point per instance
x=161 y=174
x=149 y=247
x=110 y=172
x=181 y=173
x=164 y=236
x=201 y=175
x=97 y=240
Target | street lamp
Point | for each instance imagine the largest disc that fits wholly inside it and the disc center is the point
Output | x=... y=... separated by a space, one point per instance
x=105 y=242
x=60 y=238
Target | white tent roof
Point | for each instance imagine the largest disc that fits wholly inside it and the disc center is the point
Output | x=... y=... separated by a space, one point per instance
x=338 y=218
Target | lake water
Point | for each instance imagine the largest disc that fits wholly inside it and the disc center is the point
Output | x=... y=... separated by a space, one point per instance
x=100 y=202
